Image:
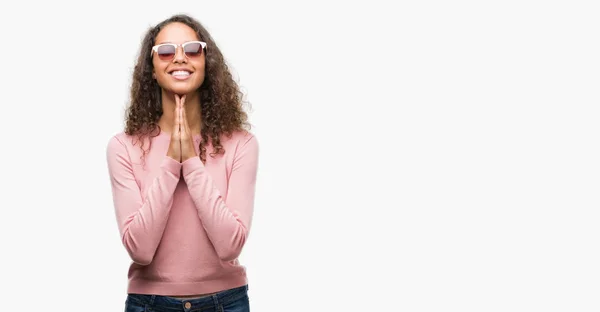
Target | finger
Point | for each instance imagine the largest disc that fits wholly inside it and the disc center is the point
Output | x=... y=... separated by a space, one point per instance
x=182 y=112
x=176 y=114
x=181 y=119
x=176 y=110
x=185 y=123
x=177 y=117
x=175 y=120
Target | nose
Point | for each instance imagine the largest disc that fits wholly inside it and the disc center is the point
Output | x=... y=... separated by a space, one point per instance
x=179 y=55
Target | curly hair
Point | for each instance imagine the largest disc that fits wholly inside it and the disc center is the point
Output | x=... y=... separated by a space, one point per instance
x=220 y=97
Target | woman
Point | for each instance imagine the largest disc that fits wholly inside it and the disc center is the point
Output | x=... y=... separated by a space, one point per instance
x=183 y=175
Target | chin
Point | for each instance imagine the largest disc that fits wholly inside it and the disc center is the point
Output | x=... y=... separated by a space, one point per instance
x=182 y=90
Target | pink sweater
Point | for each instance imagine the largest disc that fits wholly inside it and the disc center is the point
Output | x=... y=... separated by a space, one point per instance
x=183 y=224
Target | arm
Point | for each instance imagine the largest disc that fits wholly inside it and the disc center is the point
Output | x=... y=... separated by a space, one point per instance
x=227 y=223
x=141 y=221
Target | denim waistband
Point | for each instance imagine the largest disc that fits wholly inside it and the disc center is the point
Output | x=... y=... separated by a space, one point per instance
x=169 y=303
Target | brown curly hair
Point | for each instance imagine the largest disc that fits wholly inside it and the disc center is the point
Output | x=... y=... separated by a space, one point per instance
x=220 y=97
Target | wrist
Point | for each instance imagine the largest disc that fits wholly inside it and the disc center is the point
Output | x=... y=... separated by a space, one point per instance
x=183 y=159
x=173 y=156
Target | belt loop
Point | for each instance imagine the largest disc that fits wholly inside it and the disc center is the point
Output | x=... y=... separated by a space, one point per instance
x=216 y=302
x=152 y=300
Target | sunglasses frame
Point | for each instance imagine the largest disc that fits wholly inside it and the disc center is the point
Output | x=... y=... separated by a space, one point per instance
x=155 y=48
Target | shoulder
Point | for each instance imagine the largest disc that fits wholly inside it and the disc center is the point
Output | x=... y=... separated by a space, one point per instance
x=117 y=140
x=116 y=147
x=241 y=144
x=240 y=139
x=120 y=142
x=125 y=139
x=117 y=154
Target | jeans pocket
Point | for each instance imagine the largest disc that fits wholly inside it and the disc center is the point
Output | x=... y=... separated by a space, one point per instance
x=239 y=305
x=134 y=306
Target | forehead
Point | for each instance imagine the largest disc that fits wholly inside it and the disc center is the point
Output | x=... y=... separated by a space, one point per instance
x=176 y=33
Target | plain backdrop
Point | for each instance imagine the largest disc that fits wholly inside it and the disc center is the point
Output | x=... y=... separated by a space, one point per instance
x=414 y=155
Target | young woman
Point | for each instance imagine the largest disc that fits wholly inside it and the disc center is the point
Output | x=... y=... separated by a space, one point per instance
x=183 y=175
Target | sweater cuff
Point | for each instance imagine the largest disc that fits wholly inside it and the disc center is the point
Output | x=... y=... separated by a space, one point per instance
x=191 y=165
x=172 y=166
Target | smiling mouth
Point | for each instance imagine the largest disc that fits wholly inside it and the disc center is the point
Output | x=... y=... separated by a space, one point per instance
x=180 y=73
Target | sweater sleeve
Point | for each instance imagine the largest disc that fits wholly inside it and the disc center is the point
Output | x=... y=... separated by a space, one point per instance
x=227 y=223
x=141 y=219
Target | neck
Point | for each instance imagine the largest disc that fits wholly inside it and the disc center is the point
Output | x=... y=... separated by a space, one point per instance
x=192 y=111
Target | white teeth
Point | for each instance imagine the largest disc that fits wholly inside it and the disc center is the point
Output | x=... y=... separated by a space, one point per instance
x=180 y=73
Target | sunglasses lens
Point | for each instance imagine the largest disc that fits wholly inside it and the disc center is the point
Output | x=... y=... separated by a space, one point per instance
x=193 y=49
x=166 y=52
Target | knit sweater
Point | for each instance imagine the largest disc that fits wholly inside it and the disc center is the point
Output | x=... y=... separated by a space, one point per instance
x=183 y=224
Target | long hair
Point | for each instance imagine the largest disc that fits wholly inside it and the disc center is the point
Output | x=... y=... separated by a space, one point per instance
x=220 y=97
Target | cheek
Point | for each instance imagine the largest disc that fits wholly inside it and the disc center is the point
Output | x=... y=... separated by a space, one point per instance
x=202 y=68
x=158 y=66
x=200 y=64
x=161 y=78
x=159 y=73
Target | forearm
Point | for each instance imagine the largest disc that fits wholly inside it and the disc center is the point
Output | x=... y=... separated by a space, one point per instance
x=142 y=217
x=225 y=229
x=227 y=218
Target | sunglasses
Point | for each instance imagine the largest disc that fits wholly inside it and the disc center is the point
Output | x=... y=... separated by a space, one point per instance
x=167 y=51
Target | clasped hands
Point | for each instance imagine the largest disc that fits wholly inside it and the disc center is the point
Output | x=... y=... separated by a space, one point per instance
x=182 y=143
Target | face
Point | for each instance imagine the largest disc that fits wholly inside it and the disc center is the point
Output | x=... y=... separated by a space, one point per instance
x=181 y=72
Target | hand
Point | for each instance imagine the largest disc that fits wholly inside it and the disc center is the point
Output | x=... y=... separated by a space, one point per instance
x=185 y=134
x=175 y=145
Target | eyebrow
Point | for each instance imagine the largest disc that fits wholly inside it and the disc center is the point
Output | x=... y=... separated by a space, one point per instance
x=172 y=42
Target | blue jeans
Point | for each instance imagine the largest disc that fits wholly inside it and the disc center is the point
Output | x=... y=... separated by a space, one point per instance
x=231 y=300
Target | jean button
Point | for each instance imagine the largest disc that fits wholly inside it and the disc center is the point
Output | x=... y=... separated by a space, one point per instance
x=188 y=305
